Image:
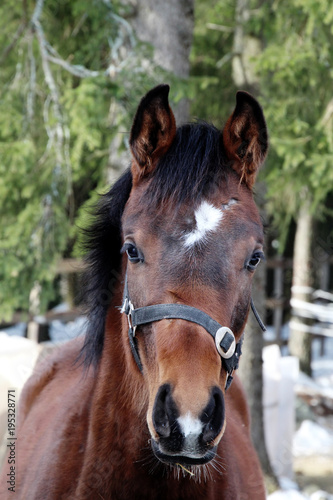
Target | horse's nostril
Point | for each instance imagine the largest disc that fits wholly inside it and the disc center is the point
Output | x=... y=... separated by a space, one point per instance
x=164 y=411
x=186 y=430
x=213 y=416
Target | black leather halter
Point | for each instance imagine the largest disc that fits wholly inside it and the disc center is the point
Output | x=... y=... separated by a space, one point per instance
x=224 y=338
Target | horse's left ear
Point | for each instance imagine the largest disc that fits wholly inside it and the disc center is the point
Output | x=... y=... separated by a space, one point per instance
x=153 y=130
x=245 y=138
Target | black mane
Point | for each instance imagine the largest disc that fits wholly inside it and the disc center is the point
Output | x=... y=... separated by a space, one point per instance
x=103 y=243
x=192 y=164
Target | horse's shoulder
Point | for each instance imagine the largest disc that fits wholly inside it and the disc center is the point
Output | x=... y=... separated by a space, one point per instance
x=244 y=468
x=54 y=369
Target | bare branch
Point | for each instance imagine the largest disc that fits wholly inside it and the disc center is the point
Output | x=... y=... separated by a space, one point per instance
x=226 y=58
x=127 y=27
x=59 y=132
x=44 y=55
x=79 y=24
x=32 y=80
x=220 y=27
x=74 y=69
x=49 y=131
x=19 y=32
x=37 y=12
x=328 y=114
x=16 y=37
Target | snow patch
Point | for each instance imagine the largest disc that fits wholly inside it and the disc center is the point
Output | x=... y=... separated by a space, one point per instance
x=312 y=439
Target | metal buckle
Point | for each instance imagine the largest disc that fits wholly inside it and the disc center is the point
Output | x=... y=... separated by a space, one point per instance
x=129 y=317
x=128 y=308
x=124 y=307
x=219 y=336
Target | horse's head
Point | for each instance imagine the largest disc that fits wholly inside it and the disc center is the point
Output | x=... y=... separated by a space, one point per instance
x=193 y=236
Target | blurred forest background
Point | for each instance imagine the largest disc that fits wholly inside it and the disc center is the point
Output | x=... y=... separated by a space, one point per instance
x=71 y=76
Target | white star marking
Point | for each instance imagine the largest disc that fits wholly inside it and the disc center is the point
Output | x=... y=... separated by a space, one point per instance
x=207 y=219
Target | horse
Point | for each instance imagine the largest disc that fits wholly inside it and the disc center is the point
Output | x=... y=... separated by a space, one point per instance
x=145 y=404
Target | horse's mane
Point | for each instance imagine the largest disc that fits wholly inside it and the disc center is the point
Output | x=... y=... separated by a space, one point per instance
x=188 y=169
x=103 y=244
x=192 y=164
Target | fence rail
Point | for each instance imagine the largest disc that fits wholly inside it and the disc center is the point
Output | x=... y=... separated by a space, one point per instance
x=279 y=305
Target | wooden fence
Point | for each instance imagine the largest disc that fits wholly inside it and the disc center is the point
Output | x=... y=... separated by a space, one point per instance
x=281 y=307
x=278 y=303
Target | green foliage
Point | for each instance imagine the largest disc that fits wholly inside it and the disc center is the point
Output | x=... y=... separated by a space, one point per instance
x=58 y=118
x=56 y=128
x=296 y=80
x=212 y=90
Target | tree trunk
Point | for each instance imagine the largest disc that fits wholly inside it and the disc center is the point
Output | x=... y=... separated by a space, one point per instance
x=251 y=369
x=168 y=27
x=300 y=340
x=251 y=373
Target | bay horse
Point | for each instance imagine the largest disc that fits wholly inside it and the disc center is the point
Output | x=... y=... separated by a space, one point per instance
x=142 y=406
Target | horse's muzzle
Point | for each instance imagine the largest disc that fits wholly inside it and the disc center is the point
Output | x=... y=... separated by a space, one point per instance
x=186 y=439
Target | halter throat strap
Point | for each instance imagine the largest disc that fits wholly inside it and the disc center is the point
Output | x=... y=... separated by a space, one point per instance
x=224 y=338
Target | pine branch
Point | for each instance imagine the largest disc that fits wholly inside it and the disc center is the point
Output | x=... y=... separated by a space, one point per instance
x=16 y=37
x=59 y=133
x=19 y=32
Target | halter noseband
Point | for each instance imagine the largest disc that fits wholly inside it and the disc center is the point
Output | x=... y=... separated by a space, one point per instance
x=224 y=338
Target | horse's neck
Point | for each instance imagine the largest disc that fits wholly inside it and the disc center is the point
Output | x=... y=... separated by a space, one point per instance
x=120 y=391
x=118 y=431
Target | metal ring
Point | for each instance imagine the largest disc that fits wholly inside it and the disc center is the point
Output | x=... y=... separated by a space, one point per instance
x=219 y=336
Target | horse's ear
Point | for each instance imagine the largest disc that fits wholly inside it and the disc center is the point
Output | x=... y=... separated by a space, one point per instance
x=245 y=138
x=153 y=130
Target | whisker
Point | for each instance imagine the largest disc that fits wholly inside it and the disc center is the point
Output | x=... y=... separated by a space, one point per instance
x=198 y=473
x=218 y=465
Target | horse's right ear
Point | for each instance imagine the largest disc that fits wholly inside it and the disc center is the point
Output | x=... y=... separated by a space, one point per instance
x=153 y=130
x=245 y=138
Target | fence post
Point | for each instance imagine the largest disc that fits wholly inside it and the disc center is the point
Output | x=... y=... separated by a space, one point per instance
x=278 y=296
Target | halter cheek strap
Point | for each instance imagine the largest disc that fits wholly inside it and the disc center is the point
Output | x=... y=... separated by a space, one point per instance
x=224 y=338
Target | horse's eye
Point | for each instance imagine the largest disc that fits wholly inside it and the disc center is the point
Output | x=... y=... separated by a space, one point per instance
x=132 y=253
x=254 y=261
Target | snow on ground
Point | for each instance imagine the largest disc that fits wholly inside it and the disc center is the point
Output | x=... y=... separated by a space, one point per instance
x=312 y=439
x=297 y=495
x=312 y=444
x=18 y=356
x=60 y=331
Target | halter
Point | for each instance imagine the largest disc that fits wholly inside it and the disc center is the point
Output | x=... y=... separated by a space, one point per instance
x=224 y=338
